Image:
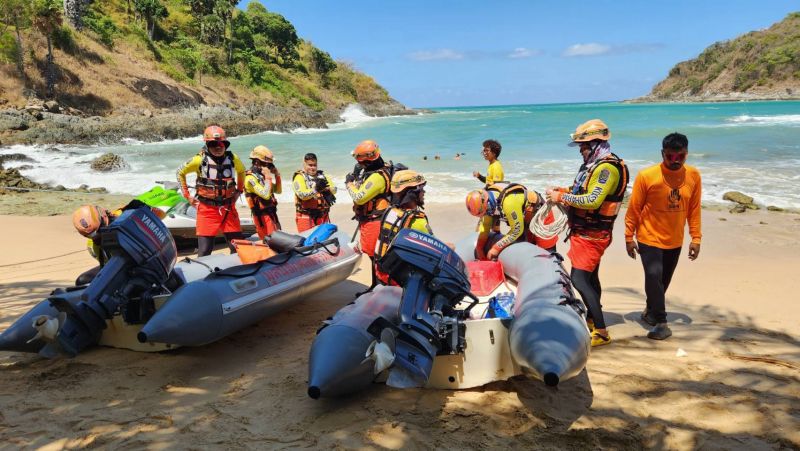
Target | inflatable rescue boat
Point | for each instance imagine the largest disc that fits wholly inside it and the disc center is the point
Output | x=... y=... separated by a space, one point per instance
x=143 y=300
x=447 y=328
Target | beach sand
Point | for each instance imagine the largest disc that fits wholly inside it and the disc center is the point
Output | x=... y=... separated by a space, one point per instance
x=729 y=378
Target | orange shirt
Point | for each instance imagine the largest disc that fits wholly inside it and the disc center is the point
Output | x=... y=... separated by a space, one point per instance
x=661 y=203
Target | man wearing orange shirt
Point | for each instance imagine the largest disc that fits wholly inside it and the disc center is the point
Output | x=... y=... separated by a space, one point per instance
x=664 y=199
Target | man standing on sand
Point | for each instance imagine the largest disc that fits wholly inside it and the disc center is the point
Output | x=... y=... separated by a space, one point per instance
x=220 y=181
x=314 y=193
x=665 y=197
x=594 y=202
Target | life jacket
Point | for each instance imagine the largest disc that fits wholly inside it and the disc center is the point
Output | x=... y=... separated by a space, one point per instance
x=601 y=218
x=393 y=221
x=216 y=183
x=376 y=206
x=533 y=200
x=317 y=204
x=258 y=205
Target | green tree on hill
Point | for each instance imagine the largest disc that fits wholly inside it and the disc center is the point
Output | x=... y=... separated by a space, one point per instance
x=273 y=30
x=47 y=19
x=151 y=11
x=16 y=13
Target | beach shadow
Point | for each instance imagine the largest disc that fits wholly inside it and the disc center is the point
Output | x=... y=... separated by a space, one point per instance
x=672 y=318
x=559 y=406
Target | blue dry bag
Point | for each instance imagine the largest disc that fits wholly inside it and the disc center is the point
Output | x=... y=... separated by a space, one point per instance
x=323 y=232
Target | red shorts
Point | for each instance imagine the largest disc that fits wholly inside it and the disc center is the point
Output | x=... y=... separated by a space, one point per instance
x=585 y=251
x=369 y=236
x=305 y=222
x=265 y=225
x=210 y=217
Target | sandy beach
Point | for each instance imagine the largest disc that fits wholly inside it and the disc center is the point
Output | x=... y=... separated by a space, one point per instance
x=729 y=378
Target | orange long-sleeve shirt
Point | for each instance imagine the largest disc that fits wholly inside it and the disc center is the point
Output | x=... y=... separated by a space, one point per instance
x=661 y=203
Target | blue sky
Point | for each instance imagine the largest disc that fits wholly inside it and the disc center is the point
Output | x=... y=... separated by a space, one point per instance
x=464 y=53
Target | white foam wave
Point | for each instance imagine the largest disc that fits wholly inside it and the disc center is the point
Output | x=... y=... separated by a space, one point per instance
x=780 y=119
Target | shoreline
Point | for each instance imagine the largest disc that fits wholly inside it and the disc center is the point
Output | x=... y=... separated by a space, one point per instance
x=36 y=126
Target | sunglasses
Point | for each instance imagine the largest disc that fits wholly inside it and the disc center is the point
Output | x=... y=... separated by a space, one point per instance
x=215 y=144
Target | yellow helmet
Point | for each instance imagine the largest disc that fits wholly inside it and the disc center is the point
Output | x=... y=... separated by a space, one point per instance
x=406 y=179
x=591 y=130
x=261 y=153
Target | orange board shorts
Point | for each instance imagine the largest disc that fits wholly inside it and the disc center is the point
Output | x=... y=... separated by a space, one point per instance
x=305 y=222
x=585 y=251
x=210 y=217
x=265 y=225
x=369 y=236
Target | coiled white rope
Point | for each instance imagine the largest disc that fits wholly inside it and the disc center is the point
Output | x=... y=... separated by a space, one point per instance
x=545 y=231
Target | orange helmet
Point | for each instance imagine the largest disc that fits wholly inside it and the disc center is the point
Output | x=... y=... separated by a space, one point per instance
x=406 y=179
x=480 y=203
x=263 y=154
x=216 y=133
x=591 y=130
x=366 y=151
x=88 y=218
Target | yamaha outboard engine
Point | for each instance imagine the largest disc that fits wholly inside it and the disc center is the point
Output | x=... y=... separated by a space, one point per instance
x=434 y=281
x=142 y=255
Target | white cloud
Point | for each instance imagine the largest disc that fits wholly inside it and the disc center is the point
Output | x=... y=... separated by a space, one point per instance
x=522 y=52
x=590 y=49
x=436 y=55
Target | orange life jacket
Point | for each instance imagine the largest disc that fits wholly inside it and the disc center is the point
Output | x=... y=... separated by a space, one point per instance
x=216 y=182
x=315 y=206
x=533 y=200
x=258 y=205
x=601 y=218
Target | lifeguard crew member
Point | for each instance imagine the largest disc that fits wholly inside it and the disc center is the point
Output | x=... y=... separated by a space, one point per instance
x=220 y=180
x=408 y=198
x=594 y=202
x=515 y=205
x=314 y=194
x=260 y=191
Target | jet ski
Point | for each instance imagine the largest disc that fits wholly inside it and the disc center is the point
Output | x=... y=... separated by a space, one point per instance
x=180 y=217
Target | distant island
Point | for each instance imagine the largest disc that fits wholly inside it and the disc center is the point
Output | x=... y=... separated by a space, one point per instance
x=89 y=71
x=759 y=65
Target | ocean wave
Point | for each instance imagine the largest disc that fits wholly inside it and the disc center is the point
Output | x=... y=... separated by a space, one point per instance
x=780 y=119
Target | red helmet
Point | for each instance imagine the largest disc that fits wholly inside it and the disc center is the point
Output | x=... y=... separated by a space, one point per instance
x=88 y=219
x=216 y=133
x=366 y=151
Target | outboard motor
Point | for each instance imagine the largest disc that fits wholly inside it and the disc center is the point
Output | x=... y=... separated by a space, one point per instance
x=142 y=254
x=434 y=281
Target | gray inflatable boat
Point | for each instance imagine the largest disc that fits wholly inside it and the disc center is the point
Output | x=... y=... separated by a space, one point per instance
x=143 y=300
x=546 y=338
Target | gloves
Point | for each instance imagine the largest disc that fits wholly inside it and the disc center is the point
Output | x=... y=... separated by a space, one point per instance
x=322 y=184
x=350 y=178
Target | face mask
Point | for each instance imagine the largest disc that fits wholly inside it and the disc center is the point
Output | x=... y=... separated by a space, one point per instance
x=675 y=158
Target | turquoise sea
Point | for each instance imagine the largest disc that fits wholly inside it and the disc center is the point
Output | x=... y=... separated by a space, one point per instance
x=753 y=147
